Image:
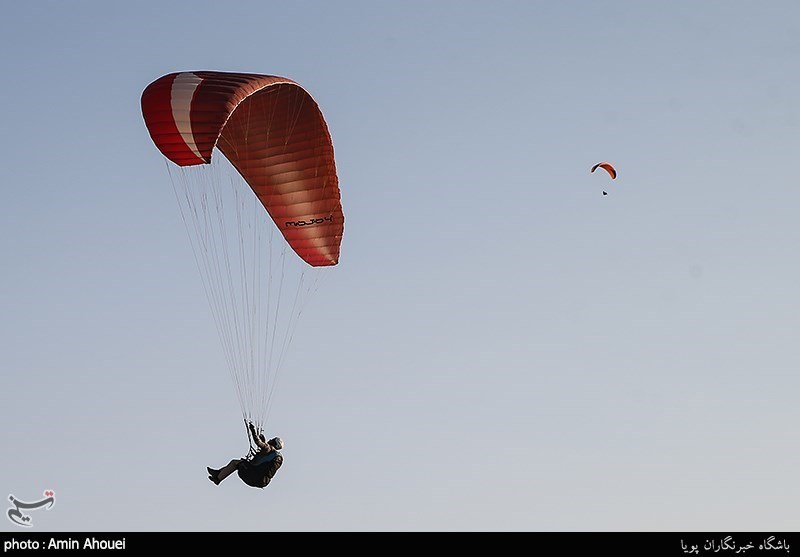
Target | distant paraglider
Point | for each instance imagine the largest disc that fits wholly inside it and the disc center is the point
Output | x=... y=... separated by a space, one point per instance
x=608 y=167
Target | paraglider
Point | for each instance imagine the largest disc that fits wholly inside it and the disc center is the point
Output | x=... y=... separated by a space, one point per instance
x=257 y=471
x=250 y=155
x=608 y=167
x=273 y=133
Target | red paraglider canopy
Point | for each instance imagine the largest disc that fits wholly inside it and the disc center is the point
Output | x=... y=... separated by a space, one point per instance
x=273 y=133
x=607 y=167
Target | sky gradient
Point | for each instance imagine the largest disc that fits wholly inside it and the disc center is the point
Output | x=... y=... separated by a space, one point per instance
x=501 y=347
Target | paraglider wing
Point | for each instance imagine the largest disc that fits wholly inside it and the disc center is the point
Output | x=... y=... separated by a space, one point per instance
x=273 y=171
x=272 y=132
x=607 y=167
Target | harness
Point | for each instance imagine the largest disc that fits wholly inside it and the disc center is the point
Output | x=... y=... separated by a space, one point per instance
x=262 y=458
x=258 y=467
x=260 y=475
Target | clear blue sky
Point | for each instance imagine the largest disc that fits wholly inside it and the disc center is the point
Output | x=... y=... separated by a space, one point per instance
x=501 y=348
